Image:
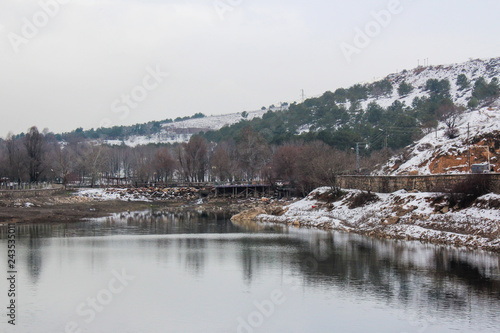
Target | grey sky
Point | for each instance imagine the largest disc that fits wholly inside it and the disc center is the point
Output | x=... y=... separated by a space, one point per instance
x=222 y=56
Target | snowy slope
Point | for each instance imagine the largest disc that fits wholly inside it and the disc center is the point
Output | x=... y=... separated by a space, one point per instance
x=181 y=131
x=214 y=122
x=418 y=77
x=435 y=153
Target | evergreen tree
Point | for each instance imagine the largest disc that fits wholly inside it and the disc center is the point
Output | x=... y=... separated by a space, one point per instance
x=463 y=82
x=404 y=89
x=438 y=87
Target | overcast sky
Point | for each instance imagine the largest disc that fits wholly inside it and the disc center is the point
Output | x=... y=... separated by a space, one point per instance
x=88 y=63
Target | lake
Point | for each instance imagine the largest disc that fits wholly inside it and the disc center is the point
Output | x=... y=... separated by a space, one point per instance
x=193 y=272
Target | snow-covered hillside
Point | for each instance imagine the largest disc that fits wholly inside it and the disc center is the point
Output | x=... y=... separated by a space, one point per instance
x=181 y=131
x=435 y=153
x=426 y=156
x=418 y=77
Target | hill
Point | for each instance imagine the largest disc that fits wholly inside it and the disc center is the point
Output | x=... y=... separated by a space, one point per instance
x=418 y=116
x=424 y=111
x=183 y=130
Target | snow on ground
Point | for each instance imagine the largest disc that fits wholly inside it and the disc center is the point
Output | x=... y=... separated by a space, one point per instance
x=105 y=194
x=215 y=122
x=181 y=131
x=418 y=77
x=399 y=215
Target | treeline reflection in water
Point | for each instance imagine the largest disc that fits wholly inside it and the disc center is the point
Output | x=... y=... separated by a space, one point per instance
x=436 y=280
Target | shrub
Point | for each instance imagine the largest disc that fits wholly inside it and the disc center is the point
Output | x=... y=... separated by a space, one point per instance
x=473 y=103
x=332 y=195
x=362 y=198
x=451 y=133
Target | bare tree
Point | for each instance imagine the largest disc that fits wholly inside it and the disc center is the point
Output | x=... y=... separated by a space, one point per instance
x=142 y=164
x=193 y=158
x=449 y=113
x=222 y=163
x=320 y=165
x=253 y=153
x=284 y=163
x=33 y=141
x=4 y=169
x=63 y=163
x=93 y=161
x=164 y=164
x=16 y=155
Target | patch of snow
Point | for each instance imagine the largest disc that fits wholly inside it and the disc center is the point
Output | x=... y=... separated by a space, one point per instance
x=105 y=195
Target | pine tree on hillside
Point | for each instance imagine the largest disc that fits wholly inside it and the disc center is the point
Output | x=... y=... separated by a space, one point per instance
x=463 y=82
x=404 y=89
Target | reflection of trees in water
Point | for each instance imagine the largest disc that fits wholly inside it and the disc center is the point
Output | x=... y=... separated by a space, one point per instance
x=189 y=222
x=259 y=253
x=34 y=258
x=194 y=254
x=144 y=223
x=428 y=277
x=30 y=236
x=445 y=280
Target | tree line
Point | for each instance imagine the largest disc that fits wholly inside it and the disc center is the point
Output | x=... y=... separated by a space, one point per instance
x=39 y=156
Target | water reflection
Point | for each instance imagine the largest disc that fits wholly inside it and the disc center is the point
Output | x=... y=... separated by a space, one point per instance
x=167 y=250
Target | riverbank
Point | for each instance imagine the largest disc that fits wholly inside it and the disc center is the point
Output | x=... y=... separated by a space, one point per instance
x=65 y=207
x=94 y=203
x=426 y=217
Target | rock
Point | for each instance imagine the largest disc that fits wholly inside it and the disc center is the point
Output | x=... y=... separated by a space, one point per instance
x=445 y=210
x=248 y=215
x=391 y=220
x=275 y=210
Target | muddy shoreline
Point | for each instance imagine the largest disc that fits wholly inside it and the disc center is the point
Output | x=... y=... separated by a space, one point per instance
x=69 y=208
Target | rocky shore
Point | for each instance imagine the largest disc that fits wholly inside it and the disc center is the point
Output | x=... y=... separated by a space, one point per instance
x=426 y=217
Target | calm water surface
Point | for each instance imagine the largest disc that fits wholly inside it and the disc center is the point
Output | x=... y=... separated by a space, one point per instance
x=151 y=272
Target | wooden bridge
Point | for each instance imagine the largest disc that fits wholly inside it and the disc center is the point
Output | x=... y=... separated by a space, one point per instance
x=246 y=190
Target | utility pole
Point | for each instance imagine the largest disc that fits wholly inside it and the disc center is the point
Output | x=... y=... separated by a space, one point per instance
x=358 y=166
x=386 y=144
x=303 y=96
x=357 y=157
x=468 y=146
